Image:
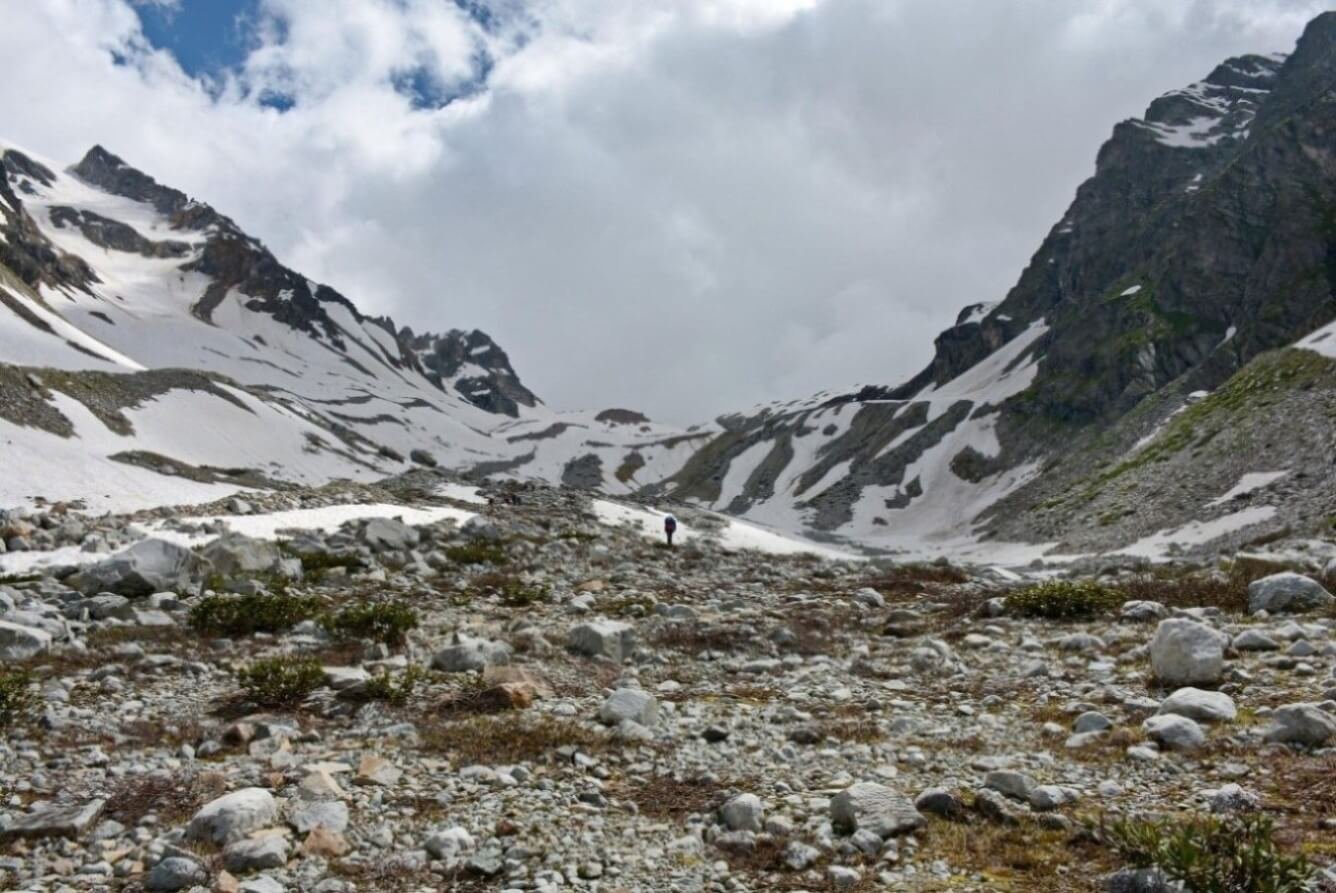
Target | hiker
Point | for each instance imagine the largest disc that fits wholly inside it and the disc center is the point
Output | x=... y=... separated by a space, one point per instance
x=669 y=528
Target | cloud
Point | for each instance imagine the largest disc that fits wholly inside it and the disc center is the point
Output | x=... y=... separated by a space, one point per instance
x=686 y=208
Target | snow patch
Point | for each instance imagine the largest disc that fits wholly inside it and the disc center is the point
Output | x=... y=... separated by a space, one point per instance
x=1322 y=341
x=734 y=535
x=1253 y=480
x=1197 y=533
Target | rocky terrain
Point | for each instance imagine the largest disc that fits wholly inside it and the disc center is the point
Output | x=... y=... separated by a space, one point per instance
x=520 y=696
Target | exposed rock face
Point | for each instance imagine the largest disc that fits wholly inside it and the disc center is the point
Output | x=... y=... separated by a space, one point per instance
x=473 y=365
x=621 y=417
x=1163 y=278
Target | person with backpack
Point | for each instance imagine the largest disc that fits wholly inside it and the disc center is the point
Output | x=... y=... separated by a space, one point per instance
x=669 y=528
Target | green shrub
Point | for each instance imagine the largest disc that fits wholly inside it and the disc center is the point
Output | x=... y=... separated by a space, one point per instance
x=1064 y=600
x=477 y=553
x=11 y=579
x=517 y=594
x=280 y=681
x=390 y=689
x=1211 y=855
x=244 y=615
x=386 y=622
x=16 y=698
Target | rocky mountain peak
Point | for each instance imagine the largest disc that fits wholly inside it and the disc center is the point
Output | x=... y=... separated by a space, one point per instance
x=111 y=174
x=470 y=363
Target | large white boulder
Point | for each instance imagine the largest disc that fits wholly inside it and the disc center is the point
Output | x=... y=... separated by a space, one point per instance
x=1185 y=652
x=233 y=816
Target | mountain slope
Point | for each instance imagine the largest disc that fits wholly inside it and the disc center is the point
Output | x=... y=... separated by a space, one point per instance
x=146 y=335
x=1205 y=238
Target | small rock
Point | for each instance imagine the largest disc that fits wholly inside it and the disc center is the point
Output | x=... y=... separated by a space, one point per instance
x=1174 y=732
x=175 y=873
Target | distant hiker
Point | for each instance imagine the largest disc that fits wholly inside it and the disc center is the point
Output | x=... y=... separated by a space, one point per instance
x=669 y=528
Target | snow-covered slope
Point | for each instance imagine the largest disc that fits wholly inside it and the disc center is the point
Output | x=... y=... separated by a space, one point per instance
x=110 y=283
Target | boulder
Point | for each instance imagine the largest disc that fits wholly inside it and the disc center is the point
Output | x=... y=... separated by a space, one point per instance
x=940 y=802
x=233 y=816
x=388 y=535
x=449 y=844
x=1174 y=732
x=466 y=654
x=108 y=604
x=873 y=807
x=422 y=457
x=19 y=642
x=1255 y=640
x=1202 y=706
x=1142 y=611
x=611 y=639
x=1016 y=785
x=236 y=555
x=1287 y=592
x=255 y=854
x=1091 y=721
x=1185 y=652
x=149 y=566
x=745 y=812
x=630 y=703
x=1304 y=724
x=67 y=820
x=175 y=873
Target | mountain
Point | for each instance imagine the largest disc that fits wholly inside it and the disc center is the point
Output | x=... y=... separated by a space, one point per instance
x=1202 y=247
x=154 y=352
x=1162 y=374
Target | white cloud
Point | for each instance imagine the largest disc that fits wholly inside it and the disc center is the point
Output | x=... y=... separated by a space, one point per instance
x=686 y=208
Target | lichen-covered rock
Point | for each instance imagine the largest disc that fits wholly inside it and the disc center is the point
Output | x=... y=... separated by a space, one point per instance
x=868 y=806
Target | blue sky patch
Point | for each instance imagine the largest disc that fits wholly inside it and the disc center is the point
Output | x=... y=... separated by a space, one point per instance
x=205 y=36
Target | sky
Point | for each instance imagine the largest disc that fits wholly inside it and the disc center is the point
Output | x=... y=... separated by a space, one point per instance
x=684 y=207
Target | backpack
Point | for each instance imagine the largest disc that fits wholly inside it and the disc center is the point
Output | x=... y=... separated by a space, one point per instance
x=670 y=523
